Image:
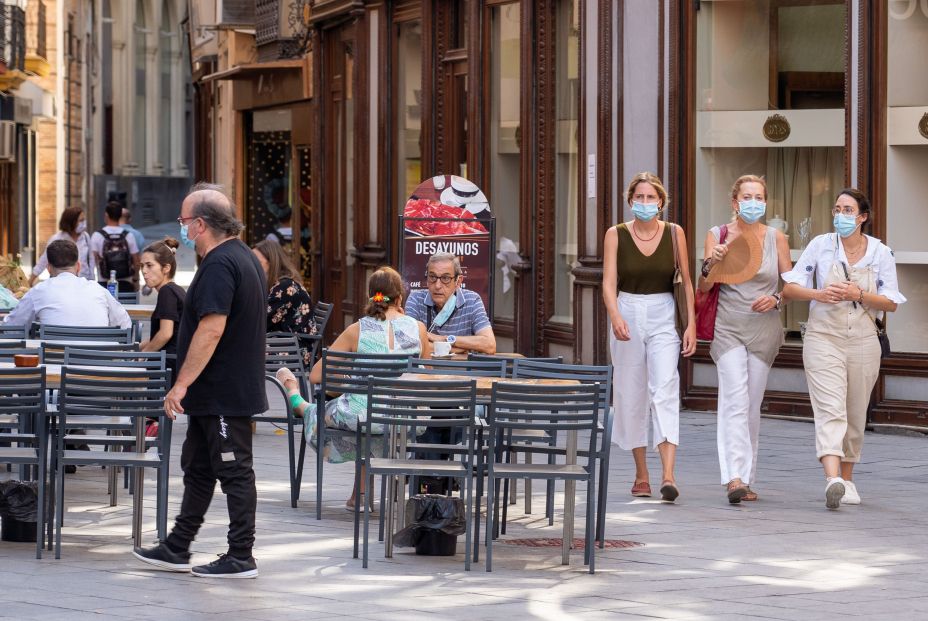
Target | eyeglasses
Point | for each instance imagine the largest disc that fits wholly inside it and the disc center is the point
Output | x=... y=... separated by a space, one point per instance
x=847 y=211
x=444 y=278
x=183 y=220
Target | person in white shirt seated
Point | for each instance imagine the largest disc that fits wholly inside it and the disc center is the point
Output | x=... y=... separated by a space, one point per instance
x=65 y=299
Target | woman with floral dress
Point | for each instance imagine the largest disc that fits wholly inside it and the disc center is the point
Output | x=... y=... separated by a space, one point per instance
x=289 y=307
x=384 y=329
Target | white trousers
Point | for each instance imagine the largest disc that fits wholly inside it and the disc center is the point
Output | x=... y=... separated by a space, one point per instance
x=742 y=381
x=646 y=383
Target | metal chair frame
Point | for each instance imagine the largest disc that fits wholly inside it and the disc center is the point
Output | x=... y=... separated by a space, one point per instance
x=85 y=333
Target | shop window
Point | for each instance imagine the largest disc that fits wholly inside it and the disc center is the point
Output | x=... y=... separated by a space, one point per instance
x=906 y=163
x=409 y=111
x=770 y=101
x=505 y=143
x=269 y=196
x=567 y=49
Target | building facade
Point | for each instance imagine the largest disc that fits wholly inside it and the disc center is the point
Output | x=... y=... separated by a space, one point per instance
x=550 y=106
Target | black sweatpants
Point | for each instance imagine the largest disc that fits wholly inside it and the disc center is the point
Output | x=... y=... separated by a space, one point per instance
x=218 y=447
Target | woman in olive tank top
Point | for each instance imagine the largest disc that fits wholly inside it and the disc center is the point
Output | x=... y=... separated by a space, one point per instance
x=638 y=272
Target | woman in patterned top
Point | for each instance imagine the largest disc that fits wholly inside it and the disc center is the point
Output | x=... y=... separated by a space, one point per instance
x=384 y=329
x=289 y=307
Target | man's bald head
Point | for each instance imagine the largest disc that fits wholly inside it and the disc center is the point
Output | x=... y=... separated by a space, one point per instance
x=210 y=203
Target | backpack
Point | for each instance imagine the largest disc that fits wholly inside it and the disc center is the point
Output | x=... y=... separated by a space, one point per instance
x=115 y=255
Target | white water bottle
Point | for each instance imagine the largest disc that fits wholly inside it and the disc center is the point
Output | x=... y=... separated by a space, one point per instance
x=112 y=285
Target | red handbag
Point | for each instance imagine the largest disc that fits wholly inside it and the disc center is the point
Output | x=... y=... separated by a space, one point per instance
x=707 y=303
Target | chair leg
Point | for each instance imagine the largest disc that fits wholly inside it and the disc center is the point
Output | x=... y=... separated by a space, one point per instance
x=601 y=500
x=357 y=507
x=320 y=438
x=476 y=519
x=59 y=509
x=291 y=455
x=300 y=464
x=492 y=504
x=40 y=506
x=590 y=543
x=367 y=523
x=468 y=518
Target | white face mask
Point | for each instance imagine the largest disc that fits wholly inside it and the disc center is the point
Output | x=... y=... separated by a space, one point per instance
x=81 y=227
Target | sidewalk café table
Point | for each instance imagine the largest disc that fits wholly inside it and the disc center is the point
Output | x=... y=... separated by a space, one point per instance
x=53 y=381
x=139 y=311
x=484 y=393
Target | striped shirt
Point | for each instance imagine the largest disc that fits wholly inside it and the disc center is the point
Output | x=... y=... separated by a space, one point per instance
x=469 y=316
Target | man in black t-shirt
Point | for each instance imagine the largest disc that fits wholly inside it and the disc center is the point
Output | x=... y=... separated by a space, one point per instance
x=219 y=385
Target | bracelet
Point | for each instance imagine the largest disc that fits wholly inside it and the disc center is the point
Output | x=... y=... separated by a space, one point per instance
x=778 y=298
x=860 y=298
x=706 y=266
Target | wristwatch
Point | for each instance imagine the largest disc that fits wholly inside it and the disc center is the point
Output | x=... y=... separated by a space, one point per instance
x=451 y=338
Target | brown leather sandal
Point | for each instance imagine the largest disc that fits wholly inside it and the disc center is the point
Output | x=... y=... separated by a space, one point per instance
x=736 y=491
x=641 y=489
x=669 y=491
x=750 y=496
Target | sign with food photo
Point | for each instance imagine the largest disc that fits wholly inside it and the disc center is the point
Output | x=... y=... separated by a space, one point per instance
x=448 y=213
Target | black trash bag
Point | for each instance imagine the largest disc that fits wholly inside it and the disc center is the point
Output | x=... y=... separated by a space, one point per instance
x=19 y=501
x=431 y=512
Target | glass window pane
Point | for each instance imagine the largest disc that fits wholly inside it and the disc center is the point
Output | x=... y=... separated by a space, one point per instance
x=757 y=59
x=505 y=139
x=906 y=163
x=409 y=111
x=567 y=180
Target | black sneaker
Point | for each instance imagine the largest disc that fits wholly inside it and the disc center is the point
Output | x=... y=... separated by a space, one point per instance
x=227 y=566
x=162 y=557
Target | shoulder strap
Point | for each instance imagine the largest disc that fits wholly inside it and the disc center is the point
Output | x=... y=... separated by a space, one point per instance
x=723 y=233
x=673 y=239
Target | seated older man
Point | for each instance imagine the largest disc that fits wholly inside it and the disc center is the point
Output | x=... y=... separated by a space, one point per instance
x=450 y=312
x=65 y=299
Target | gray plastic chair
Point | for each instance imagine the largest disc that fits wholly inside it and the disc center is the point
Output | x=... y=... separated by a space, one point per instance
x=553 y=410
x=87 y=392
x=403 y=408
x=22 y=407
x=587 y=374
x=85 y=333
x=53 y=353
x=510 y=360
x=10 y=331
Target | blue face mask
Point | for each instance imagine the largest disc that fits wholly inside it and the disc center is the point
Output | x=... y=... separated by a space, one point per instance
x=751 y=211
x=845 y=225
x=645 y=211
x=445 y=312
x=190 y=243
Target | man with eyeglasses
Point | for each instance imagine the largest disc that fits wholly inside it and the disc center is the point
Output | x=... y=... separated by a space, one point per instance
x=450 y=312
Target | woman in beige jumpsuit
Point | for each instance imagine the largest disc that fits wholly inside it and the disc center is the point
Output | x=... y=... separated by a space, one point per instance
x=855 y=279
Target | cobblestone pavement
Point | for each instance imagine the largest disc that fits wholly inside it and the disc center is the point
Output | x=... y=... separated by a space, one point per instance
x=783 y=557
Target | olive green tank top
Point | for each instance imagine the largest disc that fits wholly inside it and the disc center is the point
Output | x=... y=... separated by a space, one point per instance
x=640 y=274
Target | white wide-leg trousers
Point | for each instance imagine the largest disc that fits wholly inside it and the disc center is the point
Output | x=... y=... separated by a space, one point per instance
x=742 y=381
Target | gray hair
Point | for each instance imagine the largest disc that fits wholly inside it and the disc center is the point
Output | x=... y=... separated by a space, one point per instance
x=215 y=208
x=441 y=257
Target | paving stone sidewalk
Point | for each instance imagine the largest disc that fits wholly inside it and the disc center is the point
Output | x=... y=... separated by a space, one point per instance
x=783 y=557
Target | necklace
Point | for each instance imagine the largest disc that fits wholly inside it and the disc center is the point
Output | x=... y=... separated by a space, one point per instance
x=641 y=239
x=856 y=250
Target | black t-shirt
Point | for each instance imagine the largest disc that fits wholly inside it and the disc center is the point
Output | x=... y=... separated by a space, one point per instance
x=229 y=282
x=169 y=306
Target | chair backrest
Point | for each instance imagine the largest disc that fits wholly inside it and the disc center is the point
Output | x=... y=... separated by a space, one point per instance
x=549 y=408
x=85 y=333
x=472 y=368
x=152 y=360
x=11 y=344
x=124 y=392
x=322 y=311
x=414 y=404
x=7 y=353
x=127 y=297
x=347 y=372
x=53 y=353
x=510 y=360
x=282 y=349
x=22 y=392
x=586 y=374
x=12 y=332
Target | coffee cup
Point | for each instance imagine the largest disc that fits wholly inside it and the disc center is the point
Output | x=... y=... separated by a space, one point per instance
x=441 y=348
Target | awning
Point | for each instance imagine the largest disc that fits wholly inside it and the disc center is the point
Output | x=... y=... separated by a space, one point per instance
x=253 y=70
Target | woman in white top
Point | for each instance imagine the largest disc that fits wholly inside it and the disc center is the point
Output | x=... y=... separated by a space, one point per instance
x=854 y=280
x=72 y=226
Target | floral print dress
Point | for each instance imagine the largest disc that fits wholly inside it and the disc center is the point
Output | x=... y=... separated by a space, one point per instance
x=290 y=309
x=346 y=411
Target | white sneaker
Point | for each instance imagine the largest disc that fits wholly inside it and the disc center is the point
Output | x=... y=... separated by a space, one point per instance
x=851 y=497
x=834 y=491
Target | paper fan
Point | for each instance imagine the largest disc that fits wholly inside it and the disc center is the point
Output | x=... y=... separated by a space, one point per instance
x=744 y=257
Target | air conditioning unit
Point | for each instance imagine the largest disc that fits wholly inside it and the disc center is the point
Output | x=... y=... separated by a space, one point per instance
x=235 y=13
x=7 y=141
